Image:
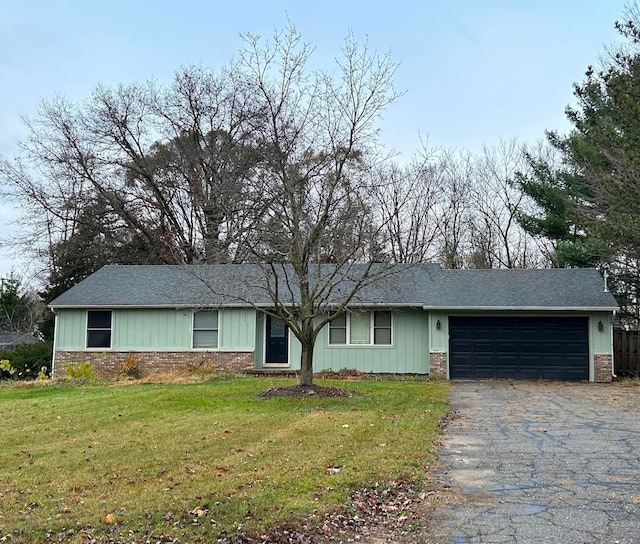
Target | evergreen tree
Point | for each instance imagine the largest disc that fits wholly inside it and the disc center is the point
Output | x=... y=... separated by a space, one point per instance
x=590 y=201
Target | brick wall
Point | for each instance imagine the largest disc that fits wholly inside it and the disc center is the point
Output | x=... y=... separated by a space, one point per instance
x=106 y=364
x=602 y=367
x=438 y=364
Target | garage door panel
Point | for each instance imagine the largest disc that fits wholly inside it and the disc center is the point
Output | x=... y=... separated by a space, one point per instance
x=506 y=367
x=530 y=370
x=505 y=332
x=578 y=348
x=506 y=346
x=574 y=361
x=486 y=359
x=549 y=360
x=506 y=359
x=519 y=347
x=533 y=335
x=576 y=336
x=554 y=373
x=529 y=373
x=529 y=346
x=484 y=371
x=530 y=359
x=484 y=346
x=557 y=335
x=552 y=347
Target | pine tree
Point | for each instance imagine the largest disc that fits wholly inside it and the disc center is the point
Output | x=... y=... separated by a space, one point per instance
x=590 y=201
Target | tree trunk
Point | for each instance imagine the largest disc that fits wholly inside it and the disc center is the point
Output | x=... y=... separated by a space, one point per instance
x=306 y=364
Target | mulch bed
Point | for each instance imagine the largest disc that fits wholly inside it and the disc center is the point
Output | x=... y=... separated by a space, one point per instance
x=304 y=391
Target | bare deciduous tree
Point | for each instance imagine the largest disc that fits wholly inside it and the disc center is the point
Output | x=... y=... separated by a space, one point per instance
x=406 y=205
x=316 y=142
x=168 y=164
x=265 y=161
x=496 y=238
x=455 y=174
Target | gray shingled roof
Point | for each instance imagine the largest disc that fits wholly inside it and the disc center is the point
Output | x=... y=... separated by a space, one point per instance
x=555 y=288
x=15 y=339
x=425 y=285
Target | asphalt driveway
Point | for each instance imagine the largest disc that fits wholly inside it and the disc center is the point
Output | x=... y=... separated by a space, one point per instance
x=540 y=462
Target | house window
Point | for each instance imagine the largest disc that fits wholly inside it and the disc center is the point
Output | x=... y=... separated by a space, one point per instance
x=338 y=330
x=361 y=329
x=382 y=328
x=205 y=329
x=99 y=329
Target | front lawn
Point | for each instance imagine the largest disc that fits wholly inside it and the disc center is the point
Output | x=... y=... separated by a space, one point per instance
x=200 y=461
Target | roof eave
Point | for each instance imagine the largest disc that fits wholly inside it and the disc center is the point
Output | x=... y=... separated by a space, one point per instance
x=227 y=305
x=359 y=305
x=145 y=306
x=527 y=308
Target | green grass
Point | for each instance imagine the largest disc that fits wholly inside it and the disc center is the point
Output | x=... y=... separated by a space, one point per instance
x=150 y=455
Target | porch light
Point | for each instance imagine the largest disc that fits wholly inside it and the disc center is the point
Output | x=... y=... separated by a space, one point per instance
x=600 y=326
x=438 y=325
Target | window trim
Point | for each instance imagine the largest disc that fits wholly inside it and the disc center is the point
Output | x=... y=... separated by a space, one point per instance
x=87 y=329
x=372 y=329
x=193 y=329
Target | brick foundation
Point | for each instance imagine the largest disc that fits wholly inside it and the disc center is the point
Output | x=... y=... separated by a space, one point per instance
x=602 y=367
x=106 y=364
x=438 y=364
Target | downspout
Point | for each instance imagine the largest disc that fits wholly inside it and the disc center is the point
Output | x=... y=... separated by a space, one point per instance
x=55 y=338
x=613 y=314
x=613 y=363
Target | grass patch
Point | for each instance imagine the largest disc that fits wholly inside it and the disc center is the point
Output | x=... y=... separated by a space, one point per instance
x=201 y=460
x=628 y=381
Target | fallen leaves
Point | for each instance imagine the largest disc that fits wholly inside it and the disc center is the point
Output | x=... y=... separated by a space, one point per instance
x=392 y=512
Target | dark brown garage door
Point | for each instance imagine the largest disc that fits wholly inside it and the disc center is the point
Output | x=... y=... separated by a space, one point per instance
x=525 y=348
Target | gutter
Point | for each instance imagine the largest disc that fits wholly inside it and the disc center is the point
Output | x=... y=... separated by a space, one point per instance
x=524 y=308
x=235 y=305
x=360 y=305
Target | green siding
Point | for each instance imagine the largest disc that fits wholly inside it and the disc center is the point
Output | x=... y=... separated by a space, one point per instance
x=600 y=340
x=238 y=329
x=415 y=335
x=160 y=329
x=409 y=352
x=439 y=338
x=155 y=329
x=71 y=329
x=295 y=352
x=259 y=351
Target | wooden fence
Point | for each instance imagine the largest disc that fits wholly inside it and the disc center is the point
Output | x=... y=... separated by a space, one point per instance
x=626 y=352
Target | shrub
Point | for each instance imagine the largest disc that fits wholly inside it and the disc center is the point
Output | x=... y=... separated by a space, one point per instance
x=6 y=370
x=130 y=367
x=201 y=367
x=28 y=361
x=80 y=371
x=210 y=371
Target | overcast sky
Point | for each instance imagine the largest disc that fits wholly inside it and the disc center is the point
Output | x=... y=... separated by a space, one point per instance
x=473 y=70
